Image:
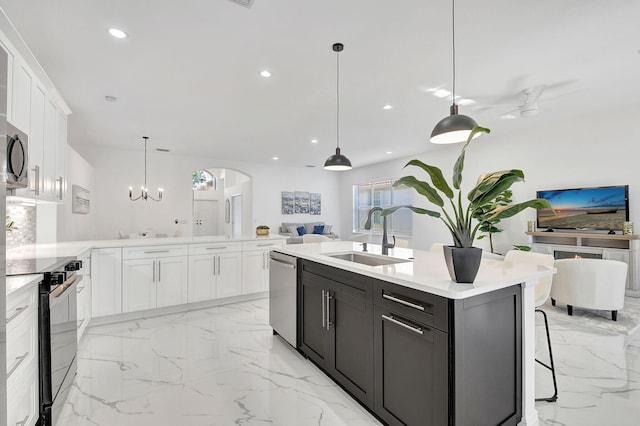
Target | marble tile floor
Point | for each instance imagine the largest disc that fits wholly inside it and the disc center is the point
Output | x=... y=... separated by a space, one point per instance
x=223 y=366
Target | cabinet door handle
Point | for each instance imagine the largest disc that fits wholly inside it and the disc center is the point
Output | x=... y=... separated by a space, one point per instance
x=17 y=364
x=219 y=268
x=329 y=297
x=60 y=180
x=403 y=302
x=215 y=248
x=36 y=180
x=154 y=271
x=17 y=312
x=159 y=269
x=156 y=251
x=324 y=312
x=23 y=422
x=266 y=245
x=392 y=320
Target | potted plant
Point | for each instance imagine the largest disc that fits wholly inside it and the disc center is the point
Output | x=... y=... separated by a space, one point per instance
x=262 y=230
x=490 y=227
x=463 y=260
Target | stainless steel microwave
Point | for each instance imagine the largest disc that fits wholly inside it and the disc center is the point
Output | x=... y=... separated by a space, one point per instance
x=17 y=164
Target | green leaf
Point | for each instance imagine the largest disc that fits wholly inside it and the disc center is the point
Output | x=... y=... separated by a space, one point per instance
x=490 y=186
x=418 y=210
x=504 y=212
x=459 y=165
x=437 y=178
x=423 y=188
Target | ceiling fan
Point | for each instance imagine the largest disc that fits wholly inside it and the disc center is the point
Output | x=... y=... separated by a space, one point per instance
x=526 y=103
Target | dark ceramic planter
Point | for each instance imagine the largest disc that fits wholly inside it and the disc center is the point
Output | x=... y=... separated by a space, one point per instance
x=462 y=262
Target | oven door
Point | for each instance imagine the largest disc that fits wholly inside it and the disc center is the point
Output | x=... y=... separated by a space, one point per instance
x=58 y=375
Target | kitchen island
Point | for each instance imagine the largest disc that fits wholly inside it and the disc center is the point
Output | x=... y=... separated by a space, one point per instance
x=413 y=346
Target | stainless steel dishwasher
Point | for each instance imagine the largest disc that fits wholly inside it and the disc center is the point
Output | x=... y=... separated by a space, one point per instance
x=282 y=296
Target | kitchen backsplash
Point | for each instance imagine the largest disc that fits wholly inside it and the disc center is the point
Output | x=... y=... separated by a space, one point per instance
x=24 y=218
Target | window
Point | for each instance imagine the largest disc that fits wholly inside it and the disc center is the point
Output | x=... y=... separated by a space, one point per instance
x=382 y=194
x=204 y=181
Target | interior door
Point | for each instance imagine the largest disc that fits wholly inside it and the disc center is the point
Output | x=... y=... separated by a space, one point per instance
x=205 y=217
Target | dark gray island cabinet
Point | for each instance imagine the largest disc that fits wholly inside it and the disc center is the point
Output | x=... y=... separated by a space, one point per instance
x=412 y=357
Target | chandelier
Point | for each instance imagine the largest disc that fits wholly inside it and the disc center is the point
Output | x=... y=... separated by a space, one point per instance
x=144 y=192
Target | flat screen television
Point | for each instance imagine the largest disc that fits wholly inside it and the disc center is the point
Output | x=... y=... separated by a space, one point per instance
x=601 y=208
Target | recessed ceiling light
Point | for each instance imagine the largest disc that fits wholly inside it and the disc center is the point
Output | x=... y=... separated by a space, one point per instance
x=314 y=140
x=465 y=101
x=117 y=33
x=387 y=107
x=110 y=98
x=265 y=73
x=389 y=152
x=441 y=93
x=275 y=158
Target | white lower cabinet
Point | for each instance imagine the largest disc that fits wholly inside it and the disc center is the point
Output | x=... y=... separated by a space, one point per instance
x=84 y=295
x=255 y=265
x=106 y=274
x=156 y=279
x=214 y=271
x=22 y=356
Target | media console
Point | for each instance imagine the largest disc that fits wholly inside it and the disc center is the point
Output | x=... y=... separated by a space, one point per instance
x=625 y=248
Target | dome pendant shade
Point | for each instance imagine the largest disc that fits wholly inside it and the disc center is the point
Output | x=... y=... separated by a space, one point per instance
x=337 y=162
x=453 y=129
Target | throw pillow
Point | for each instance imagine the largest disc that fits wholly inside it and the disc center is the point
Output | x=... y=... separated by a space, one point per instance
x=301 y=230
x=293 y=230
x=327 y=230
x=318 y=229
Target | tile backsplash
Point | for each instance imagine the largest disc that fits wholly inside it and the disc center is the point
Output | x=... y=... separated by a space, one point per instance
x=24 y=217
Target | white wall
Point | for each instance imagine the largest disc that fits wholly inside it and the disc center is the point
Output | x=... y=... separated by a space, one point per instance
x=598 y=150
x=72 y=227
x=115 y=171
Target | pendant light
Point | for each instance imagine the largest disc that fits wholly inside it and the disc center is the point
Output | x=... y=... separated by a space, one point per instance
x=456 y=127
x=144 y=193
x=338 y=161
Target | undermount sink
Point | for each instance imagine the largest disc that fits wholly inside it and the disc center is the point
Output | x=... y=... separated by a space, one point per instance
x=367 y=258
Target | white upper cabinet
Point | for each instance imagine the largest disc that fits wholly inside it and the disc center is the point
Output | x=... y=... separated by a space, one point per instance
x=35 y=110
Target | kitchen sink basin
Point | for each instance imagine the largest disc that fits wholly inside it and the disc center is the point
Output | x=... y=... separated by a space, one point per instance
x=367 y=259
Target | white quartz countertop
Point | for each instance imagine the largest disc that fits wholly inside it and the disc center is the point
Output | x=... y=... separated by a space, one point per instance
x=424 y=270
x=77 y=248
x=19 y=282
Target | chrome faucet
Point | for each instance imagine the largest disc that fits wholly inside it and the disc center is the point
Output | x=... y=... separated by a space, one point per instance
x=385 y=242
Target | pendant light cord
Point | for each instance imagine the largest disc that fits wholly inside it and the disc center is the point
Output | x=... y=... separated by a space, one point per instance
x=338 y=99
x=145 y=161
x=453 y=42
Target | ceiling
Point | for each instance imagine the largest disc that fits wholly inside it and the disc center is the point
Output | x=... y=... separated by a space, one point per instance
x=188 y=75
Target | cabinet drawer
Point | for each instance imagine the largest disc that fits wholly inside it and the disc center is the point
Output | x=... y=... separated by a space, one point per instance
x=423 y=307
x=214 y=248
x=261 y=245
x=21 y=342
x=149 y=252
x=22 y=398
x=19 y=304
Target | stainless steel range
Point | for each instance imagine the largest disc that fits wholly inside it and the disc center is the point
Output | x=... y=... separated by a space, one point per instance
x=57 y=328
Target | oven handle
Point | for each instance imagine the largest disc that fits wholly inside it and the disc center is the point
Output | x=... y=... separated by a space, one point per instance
x=62 y=288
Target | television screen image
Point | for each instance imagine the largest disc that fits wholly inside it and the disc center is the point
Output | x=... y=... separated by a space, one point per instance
x=603 y=208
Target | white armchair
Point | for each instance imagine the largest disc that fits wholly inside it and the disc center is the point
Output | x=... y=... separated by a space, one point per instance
x=591 y=284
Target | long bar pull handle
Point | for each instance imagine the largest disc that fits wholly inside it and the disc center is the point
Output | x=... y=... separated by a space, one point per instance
x=17 y=312
x=156 y=251
x=36 y=179
x=324 y=312
x=403 y=302
x=215 y=248
x=219 y=268
x=159 y=270
x=154 y=271
x=19 y=361
x=392 y=320
x=266 y=245
x=60 y=180
x=23 y=422
x=329 y=297
x=213 y=266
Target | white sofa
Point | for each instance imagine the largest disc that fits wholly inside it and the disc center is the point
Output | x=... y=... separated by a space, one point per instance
x=289 y=229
